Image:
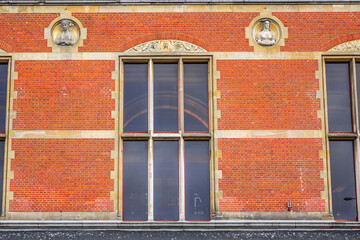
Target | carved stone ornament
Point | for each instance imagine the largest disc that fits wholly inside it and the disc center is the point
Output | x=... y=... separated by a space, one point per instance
x=352 y=46
x=166 y=46
x=266 y=32
x=65 y=33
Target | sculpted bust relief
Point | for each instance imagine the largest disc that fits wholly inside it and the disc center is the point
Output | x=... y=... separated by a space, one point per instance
x=265 y=37
x=66 y=37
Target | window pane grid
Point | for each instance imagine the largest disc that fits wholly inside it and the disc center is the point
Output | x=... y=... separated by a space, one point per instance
x=159 y=204
x=343 y=140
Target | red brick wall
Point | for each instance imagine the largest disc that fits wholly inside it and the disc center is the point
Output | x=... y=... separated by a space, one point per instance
x=24 y=32
x=67 y=175
x=261 y=175
x=73 y=175
x=223 y=31
x=66 y=95
x=268 y=94
x=218 y=31
x=315 y=31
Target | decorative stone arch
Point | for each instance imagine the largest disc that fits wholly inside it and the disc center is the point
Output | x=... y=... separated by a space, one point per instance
x=163 y=36
x=167 y=45
x=350 y=46
x=341 y=40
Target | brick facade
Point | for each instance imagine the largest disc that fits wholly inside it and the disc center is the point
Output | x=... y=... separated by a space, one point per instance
x=79 y=90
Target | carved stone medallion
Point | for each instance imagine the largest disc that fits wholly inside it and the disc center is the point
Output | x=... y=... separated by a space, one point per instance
x=166 y=46
x=266 y=32
x=65 y=33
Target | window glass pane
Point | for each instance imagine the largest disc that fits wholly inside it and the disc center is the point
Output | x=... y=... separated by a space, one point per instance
x=196 y=97
x=166 y=97
x=197 y=187
x=3 y=91
x=166 y=180
x=338 y=97
x=343 y=180
x=135 y=167
x=358 y=84
x=2 y=146
x=135 y=97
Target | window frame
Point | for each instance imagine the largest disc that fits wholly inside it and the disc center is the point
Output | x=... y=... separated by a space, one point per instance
x=5 y=136
x=353 y=136
x=181 y=136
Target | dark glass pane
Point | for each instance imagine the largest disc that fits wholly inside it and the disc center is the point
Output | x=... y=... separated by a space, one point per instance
x=2 y=146
x=358 y=83
x=166 y=181
x=196 y=97
x=135 y=97
x=3 y=91
x=338 y=97
x=197 y=185
x=135 y=172
x=343 y=180
x=166 y=97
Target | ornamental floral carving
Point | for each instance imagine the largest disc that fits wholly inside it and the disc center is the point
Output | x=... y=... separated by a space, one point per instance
x=166 y=46
x=351 y=46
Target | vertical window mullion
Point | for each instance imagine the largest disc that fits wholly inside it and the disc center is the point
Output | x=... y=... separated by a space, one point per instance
x=356 y=142
x=181 y=144
x=151 y=154
x=353 y=96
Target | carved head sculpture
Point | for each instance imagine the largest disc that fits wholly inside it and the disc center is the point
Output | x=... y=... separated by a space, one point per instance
x=265 y=25
x=66 y=37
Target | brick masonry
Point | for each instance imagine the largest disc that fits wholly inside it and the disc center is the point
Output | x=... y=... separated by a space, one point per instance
x=268 y=93
x=66 y=95
x=62 y=175
x=261 y=175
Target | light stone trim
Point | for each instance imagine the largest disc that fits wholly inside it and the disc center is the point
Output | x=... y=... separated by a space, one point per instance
x=62 y=216
x=216 y=94
x=217 y=55
x=351 y=46
x=272 y=215
x=114 y=195
x=64 y=134
x=166 y=45
x=65 y=49
x=9 y=153
x=322 y=153
x=183 y=8
x=283 y=32
x=269 y=134
x=9 y=195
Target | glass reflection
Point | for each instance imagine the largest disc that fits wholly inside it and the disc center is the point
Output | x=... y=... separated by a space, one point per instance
x=197 y=186
x=166 y=181
x=135 y=97
x=338 y=97
x=166 y=97
x=196 y=97
x=2 y=149
x=343 y=180
x=358 y=83
x=3 y=94
x=135 y=181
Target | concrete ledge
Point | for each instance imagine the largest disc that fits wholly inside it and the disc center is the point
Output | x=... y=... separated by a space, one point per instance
x=181 y=226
